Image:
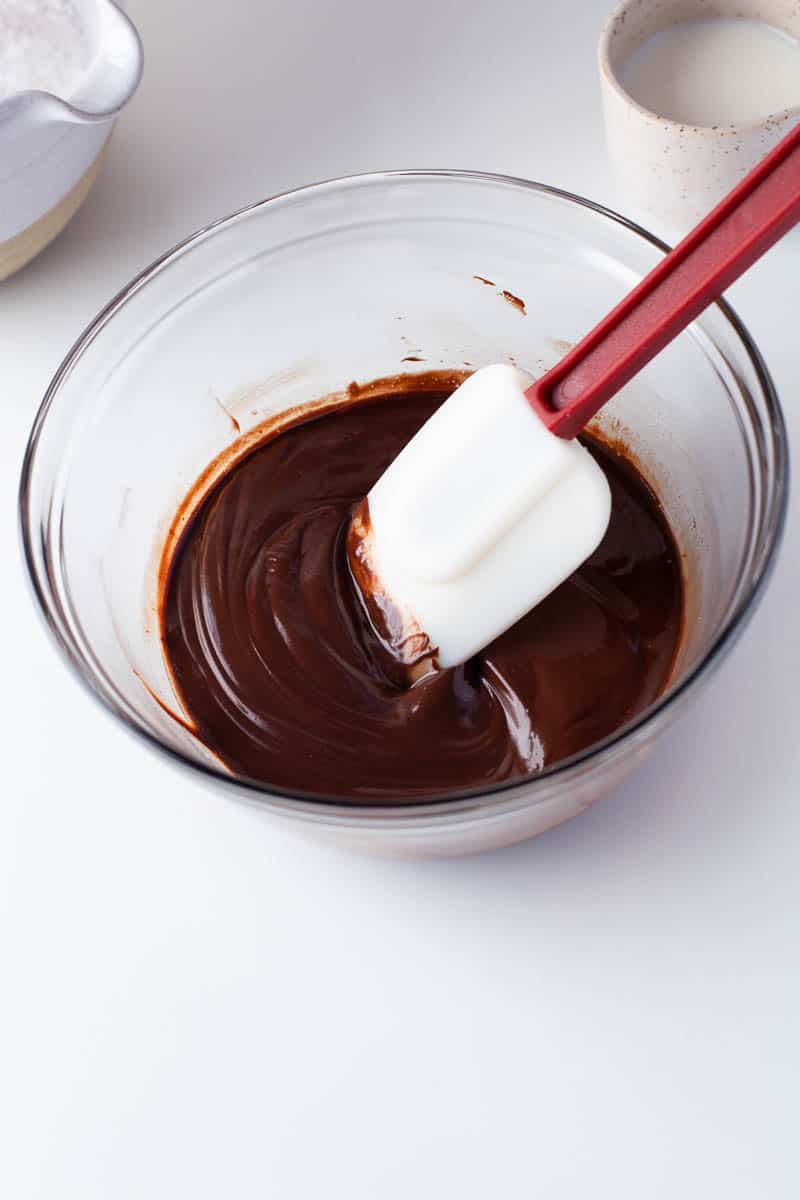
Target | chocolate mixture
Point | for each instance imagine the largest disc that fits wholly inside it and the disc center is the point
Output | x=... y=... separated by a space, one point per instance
x=283 y=678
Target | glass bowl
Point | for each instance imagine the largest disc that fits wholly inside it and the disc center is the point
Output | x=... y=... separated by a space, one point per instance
x=292 y=299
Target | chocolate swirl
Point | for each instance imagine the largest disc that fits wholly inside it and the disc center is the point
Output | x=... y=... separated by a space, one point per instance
x=284 y=679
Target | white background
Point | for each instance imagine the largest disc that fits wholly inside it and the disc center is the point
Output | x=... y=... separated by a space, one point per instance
x=192 y=1005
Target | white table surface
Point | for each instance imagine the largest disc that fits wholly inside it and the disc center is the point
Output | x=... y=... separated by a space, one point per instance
x=193 y=1005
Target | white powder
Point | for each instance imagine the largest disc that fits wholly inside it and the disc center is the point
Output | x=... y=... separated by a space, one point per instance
x=43 y=45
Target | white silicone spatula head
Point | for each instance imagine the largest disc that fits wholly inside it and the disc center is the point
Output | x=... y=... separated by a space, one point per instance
x=480 y=516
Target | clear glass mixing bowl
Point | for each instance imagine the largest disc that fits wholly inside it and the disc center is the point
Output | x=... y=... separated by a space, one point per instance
x=292 y=299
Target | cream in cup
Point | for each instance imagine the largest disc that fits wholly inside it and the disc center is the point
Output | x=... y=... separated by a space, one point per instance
x=694 y=94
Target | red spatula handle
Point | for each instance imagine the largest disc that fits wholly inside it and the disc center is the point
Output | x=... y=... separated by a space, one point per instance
x=743 y=226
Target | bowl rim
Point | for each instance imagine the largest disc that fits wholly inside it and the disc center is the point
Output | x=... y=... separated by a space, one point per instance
x=305 y=803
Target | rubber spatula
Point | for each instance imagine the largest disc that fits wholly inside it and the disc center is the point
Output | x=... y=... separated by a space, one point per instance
x=493 y=503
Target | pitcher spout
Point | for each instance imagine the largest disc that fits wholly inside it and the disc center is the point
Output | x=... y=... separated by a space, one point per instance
x=105 y=74
x=116 y=65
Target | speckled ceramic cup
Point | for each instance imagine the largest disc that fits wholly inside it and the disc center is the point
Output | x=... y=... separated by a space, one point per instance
x=671 y=174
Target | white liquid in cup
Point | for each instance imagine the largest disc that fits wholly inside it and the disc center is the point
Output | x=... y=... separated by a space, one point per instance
x=715 y=71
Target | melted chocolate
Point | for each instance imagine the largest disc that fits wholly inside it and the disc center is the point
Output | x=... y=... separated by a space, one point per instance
x=283 y=678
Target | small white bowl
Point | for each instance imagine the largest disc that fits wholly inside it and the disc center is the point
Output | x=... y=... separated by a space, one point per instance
x=671 y=174
x=51 y=147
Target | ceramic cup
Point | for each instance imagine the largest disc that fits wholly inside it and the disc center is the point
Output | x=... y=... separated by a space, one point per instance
x=671 y=174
